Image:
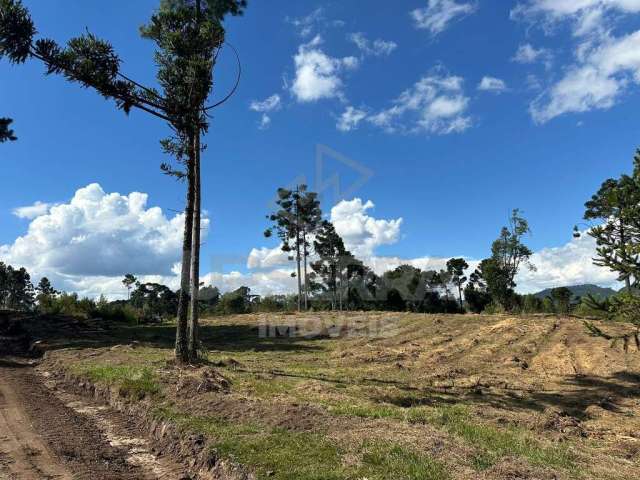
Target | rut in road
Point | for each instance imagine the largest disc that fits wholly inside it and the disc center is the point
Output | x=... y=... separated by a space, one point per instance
x=46 y=435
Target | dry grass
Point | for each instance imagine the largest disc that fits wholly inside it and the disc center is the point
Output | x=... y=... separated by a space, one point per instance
x=402 y=396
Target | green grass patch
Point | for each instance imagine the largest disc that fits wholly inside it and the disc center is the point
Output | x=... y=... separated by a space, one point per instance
x=279 y=454
x=132 y=381
x=389 y=460
x=494 y=443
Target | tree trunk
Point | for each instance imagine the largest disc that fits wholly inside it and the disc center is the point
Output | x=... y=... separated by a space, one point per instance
x=195 y=253
x=348 y=288
x=334 y=288
x=298 y=256
x=299 y=273
x=460 y=296
x=623 y=243
x=306 y=277
x=182 y=346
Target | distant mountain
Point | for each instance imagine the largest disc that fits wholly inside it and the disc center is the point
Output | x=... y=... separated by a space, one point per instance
x=582 y=291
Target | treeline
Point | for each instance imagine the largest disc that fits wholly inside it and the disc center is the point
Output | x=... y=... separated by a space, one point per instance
x=330 y=277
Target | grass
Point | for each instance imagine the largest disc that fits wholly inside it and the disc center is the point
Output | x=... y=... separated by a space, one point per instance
x=282 y=454
x=491 y=443
x=494 y=443
x=132 y=381
x=345 y=377
x=399 y=463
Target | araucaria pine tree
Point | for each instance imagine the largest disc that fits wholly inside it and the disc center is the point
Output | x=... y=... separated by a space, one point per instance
x=617 y=206
x=331 y=251
x=6 y=134
x=189 y=35
x=294 y=222
x=456 y=268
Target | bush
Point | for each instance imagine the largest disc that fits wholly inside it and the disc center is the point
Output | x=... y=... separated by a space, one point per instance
x=70 y=304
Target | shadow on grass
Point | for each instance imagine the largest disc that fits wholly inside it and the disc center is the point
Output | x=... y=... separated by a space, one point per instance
x=577 y=393
x=228 y=338
x=581 y=392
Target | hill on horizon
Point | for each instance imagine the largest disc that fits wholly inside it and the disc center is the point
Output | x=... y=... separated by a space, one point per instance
x=581 y=291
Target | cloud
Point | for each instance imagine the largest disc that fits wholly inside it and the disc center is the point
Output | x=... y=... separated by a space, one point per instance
x=96 y=238
x=605 y=65
x=350 y=119
x=436 y=104
x=265 y=122
x=361 y=232
x=270 y=104
x=438 y=14
x=87 y=244
x=526 y=53
x=318 y=75
x=306 y=24
x=377 y=48
x=383 y=264
x=492 y=84
x=587 y=17
x=266 y=257
x=569 y=264
x=596 y=82
x=276 y=281
x=32 y=211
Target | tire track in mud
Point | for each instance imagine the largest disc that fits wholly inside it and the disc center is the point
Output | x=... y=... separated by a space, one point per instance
x=119 y=432
x=51 y=435
x=23 y=453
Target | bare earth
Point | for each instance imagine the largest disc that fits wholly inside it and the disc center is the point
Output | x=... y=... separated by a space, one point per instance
x=50 y=435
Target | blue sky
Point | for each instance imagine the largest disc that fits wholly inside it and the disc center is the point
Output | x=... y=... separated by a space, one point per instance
x=460 y=110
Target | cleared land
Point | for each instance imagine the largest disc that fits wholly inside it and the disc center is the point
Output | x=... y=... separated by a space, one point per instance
x=385 y=396
x=380 y=396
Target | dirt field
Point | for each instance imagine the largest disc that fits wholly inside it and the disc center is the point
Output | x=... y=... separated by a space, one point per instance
x=382 y=396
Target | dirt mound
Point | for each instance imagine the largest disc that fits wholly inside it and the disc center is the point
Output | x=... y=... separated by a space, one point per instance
x=201 y=380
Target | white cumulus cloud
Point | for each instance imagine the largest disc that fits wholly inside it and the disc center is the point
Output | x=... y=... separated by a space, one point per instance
x=604 y=74
x=318 y=75
x=436 y=104
x=269 y=104
x=32 y=211
x=266 y=106
x=527 y=53
x=350 y=119
x=587 y=16
x=306 y=24
x=492 y=84
x=96 y=238
x=361 y=232
x=606 y=64
x=266 y=257
x=569 y=264
x=438 y=14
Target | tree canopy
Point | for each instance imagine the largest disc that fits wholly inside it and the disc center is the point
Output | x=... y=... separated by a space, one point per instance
x=6 y=134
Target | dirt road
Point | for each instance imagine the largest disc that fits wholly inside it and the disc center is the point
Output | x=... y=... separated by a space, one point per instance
x=52 y=435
